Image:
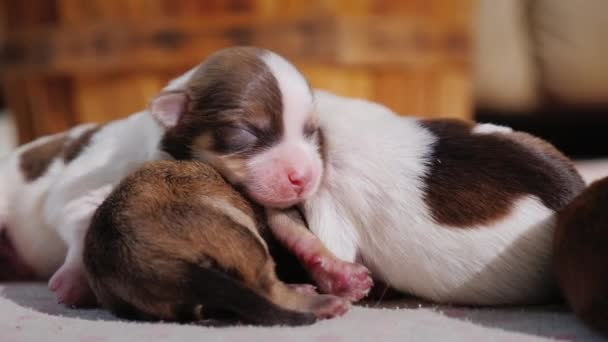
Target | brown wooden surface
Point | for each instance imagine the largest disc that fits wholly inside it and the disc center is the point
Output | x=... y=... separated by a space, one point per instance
x=69 y=61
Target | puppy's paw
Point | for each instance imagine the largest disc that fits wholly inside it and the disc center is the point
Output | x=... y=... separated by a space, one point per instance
x=71 y=287
x=343 y=279
x=328 y=306
x=304 y=288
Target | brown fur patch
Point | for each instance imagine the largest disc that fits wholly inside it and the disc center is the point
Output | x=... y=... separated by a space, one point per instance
x=229 y=106
x=77 y=145
x=581 y=254
x=35 y=160
x=159 y=247
x=203 y=142
x=476 y=178
x=232 y=166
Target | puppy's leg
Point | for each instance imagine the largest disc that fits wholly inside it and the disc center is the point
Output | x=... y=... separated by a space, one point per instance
x=69 y=282
x=332 y=275
x=299 y=298
x=303 y=288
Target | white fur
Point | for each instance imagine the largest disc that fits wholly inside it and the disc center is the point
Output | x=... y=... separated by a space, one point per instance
x=268 y=172
x=294 y=154
x=296 y=97
x=370 y=205
x=235 y=214
x=487 y=128
x=48 y=216
x=179 y=83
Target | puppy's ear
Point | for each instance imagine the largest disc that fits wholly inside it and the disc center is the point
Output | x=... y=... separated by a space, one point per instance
x=168 y=107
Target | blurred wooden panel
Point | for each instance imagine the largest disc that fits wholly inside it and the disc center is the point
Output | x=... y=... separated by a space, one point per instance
x=391 y=40
x=100 y=99
x=404 y=91
x=51 y=100
x=290 y=8
x=78 y=12
x=96 y=60
x=16 y=96
x=348 y=81
x=4 y=24
x=115 y=47
x=42 y=105
x=335 y=41
x=20 y=14
x=451 y=91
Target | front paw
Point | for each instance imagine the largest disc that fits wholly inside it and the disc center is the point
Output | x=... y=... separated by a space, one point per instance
x=343 y=279
x=71 y=287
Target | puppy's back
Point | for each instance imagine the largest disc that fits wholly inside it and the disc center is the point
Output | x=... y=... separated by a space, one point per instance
x=174 y=241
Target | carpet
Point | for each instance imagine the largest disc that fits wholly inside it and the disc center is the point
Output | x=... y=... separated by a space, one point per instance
x=29 y=312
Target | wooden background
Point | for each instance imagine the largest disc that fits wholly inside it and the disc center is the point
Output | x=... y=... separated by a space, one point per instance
x=64 y=62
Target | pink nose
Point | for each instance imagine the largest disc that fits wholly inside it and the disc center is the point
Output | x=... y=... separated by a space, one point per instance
x=299 y=180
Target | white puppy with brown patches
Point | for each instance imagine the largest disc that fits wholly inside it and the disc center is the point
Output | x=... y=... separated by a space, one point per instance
x=443 y=209
x=50 y=189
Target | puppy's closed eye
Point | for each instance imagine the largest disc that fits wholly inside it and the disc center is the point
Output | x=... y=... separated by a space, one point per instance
x=231 y=139
x=311 y=131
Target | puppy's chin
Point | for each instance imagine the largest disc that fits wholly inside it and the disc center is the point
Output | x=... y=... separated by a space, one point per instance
x=275 y=199
x=271 y=197
x=272 y=203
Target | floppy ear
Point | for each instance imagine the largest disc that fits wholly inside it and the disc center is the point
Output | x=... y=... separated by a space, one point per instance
x=168 y=107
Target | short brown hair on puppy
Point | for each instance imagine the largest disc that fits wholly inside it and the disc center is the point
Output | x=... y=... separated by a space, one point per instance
x=174 y=241
x=581 y=254
x=251 y=114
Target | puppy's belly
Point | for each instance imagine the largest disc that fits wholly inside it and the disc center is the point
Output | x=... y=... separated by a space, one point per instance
x=37 y=245
x=12 y=265
x=504 y=262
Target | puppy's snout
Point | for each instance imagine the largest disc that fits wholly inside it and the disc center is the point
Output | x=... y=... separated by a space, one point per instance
x=299 y=179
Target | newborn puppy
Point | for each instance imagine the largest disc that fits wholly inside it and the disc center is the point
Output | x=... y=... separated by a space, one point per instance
x=581 y=255
x=174 y=241
x=264 y=140
x=448 y=210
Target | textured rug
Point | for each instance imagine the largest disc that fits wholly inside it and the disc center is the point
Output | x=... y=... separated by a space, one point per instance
x=29 y=312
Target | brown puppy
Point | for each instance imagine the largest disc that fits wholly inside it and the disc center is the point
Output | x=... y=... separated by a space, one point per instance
x=174 y=241
x=581 y=254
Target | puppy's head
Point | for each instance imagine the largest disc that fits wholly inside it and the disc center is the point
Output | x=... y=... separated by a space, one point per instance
x=250 y=114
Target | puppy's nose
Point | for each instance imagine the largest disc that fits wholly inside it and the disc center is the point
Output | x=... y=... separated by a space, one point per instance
x=299 y=180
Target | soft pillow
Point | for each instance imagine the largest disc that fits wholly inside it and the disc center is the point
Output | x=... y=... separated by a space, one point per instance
x=571 y=38
x=504 y=66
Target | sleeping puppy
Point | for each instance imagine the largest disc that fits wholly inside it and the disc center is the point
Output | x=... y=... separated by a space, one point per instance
x=50 y=188
x=174 y=241
x=448 y=210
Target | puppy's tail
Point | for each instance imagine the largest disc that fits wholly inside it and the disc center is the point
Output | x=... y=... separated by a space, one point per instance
x=581 y=255
x=276 y=305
